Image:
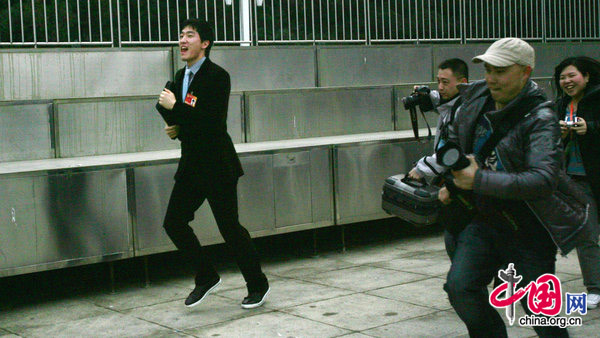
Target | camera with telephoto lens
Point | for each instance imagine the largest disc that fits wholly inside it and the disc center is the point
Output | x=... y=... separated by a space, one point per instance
x=419 y=97
x=450 y=155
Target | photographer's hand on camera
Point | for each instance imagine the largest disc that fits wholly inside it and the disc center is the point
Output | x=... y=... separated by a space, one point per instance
x=464 y=178
x=580 y=126
x=444 y=196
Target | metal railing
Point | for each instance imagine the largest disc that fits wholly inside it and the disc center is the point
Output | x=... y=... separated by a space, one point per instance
x=255 y=22
x=157 y=22
x=301 y=21
x=52 y=22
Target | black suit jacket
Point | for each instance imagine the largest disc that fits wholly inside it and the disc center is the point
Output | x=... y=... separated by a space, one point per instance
x=206 y=148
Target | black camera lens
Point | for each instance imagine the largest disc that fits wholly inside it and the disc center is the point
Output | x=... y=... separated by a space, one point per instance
x=411 y=101
x=451 y=155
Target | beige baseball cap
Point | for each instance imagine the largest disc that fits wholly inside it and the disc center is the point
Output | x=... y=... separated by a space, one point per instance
x=507 y=52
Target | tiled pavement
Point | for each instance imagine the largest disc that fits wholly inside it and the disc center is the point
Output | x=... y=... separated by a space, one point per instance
x=382 y=288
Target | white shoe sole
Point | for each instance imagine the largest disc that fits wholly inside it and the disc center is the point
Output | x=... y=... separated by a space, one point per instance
x=206 y=294
x=262 y=301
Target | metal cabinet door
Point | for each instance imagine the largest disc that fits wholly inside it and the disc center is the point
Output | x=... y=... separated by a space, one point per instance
x=255 y=194
x=360 y=172
x=17 y=224
x=291 y=177
x=82 y=215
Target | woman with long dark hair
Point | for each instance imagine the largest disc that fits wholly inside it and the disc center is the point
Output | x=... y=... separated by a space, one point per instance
x=577 y=81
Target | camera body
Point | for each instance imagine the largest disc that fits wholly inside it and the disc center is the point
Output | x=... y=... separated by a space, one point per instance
x=419 y=97
x=570 y=123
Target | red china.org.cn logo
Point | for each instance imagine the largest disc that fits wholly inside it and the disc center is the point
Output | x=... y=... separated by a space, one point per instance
x=544 y=300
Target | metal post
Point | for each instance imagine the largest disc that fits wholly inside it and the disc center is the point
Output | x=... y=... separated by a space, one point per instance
x=315 y=252
x=343 y=228
x=245 y=23
x=146 y=273
x=111 y=271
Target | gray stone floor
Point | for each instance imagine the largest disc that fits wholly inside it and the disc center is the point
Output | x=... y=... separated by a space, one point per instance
x=388 y=288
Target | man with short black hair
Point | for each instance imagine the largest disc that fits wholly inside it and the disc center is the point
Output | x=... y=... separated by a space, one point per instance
x=209 y=168
x=445 y=101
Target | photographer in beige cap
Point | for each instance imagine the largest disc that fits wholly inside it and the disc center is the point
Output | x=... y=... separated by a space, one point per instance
x=511 y=135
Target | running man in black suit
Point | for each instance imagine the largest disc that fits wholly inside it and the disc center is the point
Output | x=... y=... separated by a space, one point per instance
x=196 y=108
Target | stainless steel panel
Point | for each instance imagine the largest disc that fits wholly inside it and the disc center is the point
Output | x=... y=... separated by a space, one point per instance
x=292 y=183
x=153 y=185
x=25 y=131
x=256 y=194
x=83 y=73
x=294 y=114
x=321 y=186
x=549 y=55
x=81 y=215
x=258 y=68
x=18 y=239
x=360 y=171
x=235 y=118
x=110 y=126
x=374 y=65
x=402 y=116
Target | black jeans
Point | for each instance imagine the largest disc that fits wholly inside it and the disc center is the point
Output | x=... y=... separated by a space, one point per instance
x=481 y=250
x=187 y=196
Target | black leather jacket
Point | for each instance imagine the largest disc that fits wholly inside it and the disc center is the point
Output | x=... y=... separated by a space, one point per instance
x=532 y=157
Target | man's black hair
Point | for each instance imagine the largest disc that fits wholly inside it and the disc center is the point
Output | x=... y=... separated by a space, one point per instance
x=458 y=67
x=204 y=30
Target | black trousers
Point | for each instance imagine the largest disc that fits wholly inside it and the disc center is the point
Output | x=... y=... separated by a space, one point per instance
x=187 y=196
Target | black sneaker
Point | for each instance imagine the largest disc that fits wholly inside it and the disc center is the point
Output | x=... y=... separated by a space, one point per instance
x=200 y=292
x=255 y=299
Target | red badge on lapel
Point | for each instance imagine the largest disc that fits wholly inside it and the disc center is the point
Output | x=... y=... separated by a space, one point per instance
x=190 y=100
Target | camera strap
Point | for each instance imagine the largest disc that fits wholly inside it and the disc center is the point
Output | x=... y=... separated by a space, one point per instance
x=414 y=120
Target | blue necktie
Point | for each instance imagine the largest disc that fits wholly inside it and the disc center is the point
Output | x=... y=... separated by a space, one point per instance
x=186 y=83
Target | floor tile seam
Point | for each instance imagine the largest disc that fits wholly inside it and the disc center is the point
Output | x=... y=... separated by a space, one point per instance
x=248 y=314
x=350 y=331
x=413 y=254
x=402 y=320
x=103 y=314
x=124 y=310
x=219 y=293
x=367 y=290
x=433 y=260
x=396 y=270
x=433 y=263
x=405 y=302
x=308 y=275
x=160 y=325
x=314 y=301
x=128 y=310
x=320 y=283
x=411 y=303
x=10 y=332
x=355 y=332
